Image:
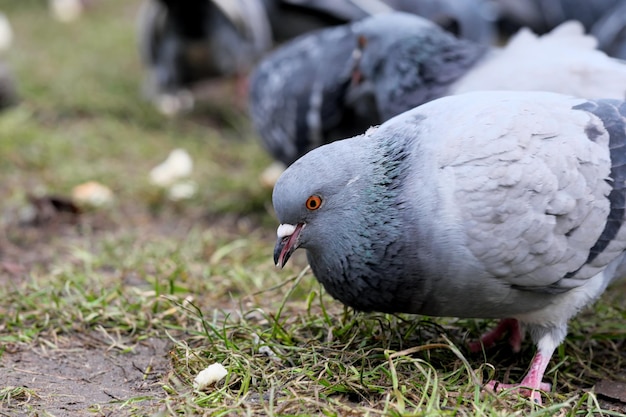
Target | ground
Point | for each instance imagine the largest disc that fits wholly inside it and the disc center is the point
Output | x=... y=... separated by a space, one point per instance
x=114 y=311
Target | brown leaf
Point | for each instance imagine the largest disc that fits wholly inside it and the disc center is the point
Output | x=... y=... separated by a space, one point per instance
x=611 y=389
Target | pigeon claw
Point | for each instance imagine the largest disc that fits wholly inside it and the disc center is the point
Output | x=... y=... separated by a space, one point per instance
x=534 y=394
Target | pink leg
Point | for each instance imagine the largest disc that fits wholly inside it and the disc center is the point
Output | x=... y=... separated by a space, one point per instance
x=510 y=326
x=531 y=382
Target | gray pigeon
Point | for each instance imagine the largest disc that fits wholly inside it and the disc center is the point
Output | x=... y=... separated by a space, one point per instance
x=316 y=88
x=405 y=71
x=298 y=96
x=487 y=205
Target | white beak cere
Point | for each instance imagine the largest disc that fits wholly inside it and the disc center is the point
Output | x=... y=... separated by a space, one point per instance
x=285 y=230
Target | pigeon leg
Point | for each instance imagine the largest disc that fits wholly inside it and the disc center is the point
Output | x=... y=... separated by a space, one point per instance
x=510 y=326
x=532 y=382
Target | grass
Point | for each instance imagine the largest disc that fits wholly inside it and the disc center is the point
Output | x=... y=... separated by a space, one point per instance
x=199 y=274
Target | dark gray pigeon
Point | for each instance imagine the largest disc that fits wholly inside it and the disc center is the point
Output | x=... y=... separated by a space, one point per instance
x=487 y=205
x=184 y=42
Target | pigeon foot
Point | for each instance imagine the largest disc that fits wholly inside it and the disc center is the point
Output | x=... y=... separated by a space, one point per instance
x=534 y=393
x=489 y=339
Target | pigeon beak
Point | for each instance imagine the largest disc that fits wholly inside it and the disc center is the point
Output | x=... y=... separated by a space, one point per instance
x=288 y=241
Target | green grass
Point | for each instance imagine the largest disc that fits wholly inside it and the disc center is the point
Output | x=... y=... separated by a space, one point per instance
x=199 y=273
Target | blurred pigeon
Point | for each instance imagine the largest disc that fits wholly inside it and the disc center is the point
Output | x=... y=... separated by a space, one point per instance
x=298 y=95
x=404 y=72
x=313 y=90
x=182 y=43
x=486 y=205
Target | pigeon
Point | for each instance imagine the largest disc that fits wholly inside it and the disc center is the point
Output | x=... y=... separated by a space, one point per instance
x=411 y=70
x=298 y=94
x=183 y=43
x=306 y=93
x=314 y=89
x=489 y=204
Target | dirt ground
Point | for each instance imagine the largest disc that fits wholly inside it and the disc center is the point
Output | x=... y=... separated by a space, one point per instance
x=75 y=374
x=83 y=376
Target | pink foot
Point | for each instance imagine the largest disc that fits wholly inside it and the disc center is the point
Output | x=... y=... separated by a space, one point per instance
x=489 y=339
x=533 y=393
x=532 y=383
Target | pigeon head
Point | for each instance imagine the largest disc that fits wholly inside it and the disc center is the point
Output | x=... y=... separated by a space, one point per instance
x=378 y=34
x=406 y=61
x=331 y=201
x=311 y=195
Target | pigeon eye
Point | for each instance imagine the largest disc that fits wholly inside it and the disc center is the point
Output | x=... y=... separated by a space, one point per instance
x=314 y=202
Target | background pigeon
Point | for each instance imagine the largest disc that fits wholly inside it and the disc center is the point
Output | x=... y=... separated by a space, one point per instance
x=305 y=92
x=486 y=205
x=298 y=96
x=182 y=43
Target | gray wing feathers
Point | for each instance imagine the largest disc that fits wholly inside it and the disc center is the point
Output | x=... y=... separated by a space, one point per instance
x=531 y=207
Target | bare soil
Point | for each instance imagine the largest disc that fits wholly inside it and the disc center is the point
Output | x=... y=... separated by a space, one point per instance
x=83 y=376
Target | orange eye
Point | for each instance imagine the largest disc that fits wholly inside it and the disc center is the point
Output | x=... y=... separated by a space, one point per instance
x=314 y=202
